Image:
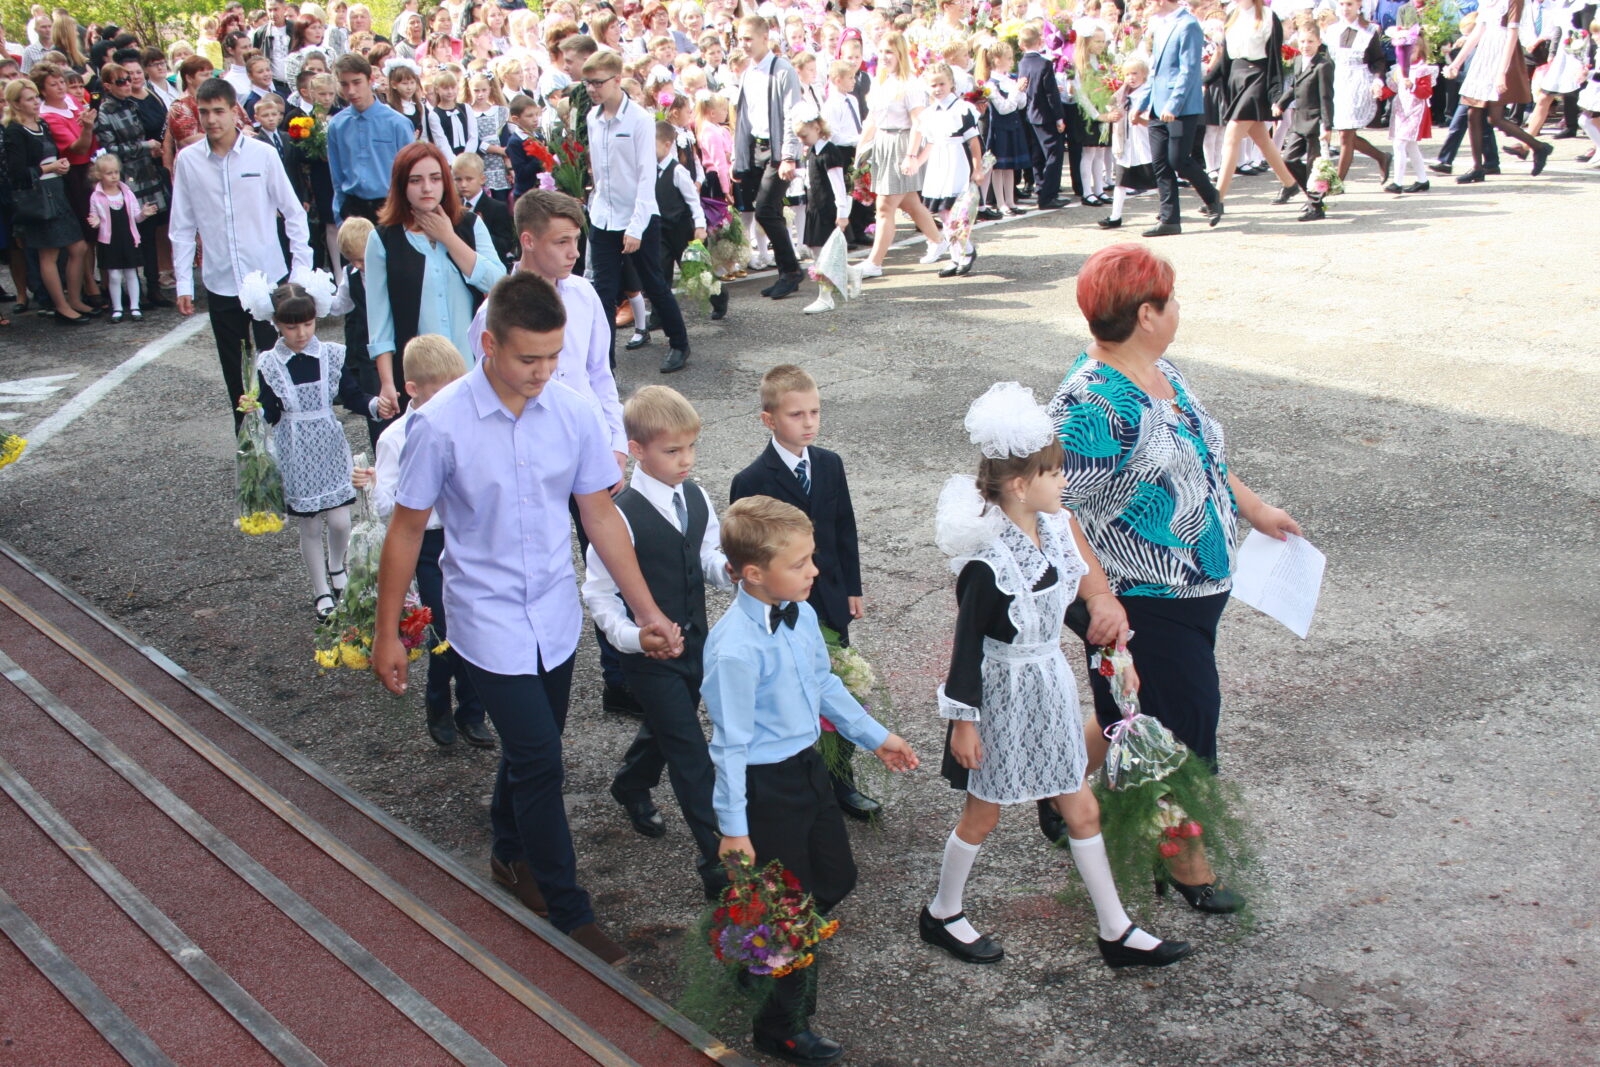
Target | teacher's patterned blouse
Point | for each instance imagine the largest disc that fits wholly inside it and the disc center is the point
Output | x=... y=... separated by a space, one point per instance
x=1148 y=481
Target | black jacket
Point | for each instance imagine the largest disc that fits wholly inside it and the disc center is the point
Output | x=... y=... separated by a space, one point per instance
x=838 y=555
x=1311 y=93
x=497 y=220
x=1044 y=95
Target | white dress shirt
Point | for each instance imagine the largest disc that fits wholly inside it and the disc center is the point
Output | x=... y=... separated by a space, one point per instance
x=585 y=363
x=842 y=112
x=756 y=85
x=622 y=153
x=232 y=203
x=600 y=593
x=686 y=189
x=463 y=130
x=791 y=460
x=386 y=469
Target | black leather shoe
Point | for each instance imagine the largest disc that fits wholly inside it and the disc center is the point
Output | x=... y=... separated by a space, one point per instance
x=620 y=700
x=477 y=734
x=1541 y=156
x=1393 y=188
x=643 y=813
x=808 y=1047
x=1210 y=898
x=858 y=805
x=639 y=339
x=950 y=271
x=1051 y=824
x=151 y=303
x=1215 y=214
x=1564 y=135
x=715 y=883
x=1109 y=223
x=936 y=932
x=1418 y=187
x=1440 y=168
x=1166 y=229
x=1286 y=194
x=966 y=265
x=1470 y=176
x=442 y=728
x=675 y=360
x=1491 y=170
x=1118 y=954
x=719 y=307
x=786 y=284
x=1050 y=205
x=1312 y=213
x=81 y=320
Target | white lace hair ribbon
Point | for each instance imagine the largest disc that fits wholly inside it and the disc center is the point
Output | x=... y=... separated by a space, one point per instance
x=320 y=286
x=1007 y=421
x=255 y=296
x=964 y=522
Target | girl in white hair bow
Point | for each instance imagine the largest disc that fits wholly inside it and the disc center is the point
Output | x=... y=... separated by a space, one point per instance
x=297 y=382
x=1015 y=734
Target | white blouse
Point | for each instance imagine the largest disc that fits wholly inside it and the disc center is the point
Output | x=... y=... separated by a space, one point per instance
x=1247 y=38
x=892 y=100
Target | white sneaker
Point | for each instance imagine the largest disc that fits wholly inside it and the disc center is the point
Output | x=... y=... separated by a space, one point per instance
x=935 y=252
x=853 y=277
x=870 y=269
x=823 y=302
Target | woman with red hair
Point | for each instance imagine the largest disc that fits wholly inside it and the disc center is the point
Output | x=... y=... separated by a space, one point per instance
x=429 y=264
x=1147 y=478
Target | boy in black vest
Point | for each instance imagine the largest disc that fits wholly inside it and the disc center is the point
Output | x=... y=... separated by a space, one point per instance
x=795 y=471
x=678 y=541
x=683 y=218
x=351 y=302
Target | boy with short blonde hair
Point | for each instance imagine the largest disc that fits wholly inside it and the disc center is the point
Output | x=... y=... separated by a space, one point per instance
x=676 y=538
x=351 y=302
x=767 y=685
x=795 y=470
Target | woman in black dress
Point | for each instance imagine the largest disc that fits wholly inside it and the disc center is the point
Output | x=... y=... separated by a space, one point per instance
x=28 y=145
x=1251 y=72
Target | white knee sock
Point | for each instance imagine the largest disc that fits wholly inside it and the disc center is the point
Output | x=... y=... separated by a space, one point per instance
x=640 y=316
x=130 y=280
x=799 y=225
x=1590 y=127
x=1119 y=197
x=114 y=289
x=1090 y=857
x=338 y=540
x=958 y=859
x=311 y=551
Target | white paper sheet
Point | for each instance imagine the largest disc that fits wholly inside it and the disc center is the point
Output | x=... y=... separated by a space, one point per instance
x=1280 y=578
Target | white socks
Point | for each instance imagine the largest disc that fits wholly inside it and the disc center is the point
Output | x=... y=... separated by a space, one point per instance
x=1119 y=197
x=118 y=281
x=798 y=237
x=640 y=316
x=317 y=560
x=1590 y=127
x=958 y=859
x=1089 y=855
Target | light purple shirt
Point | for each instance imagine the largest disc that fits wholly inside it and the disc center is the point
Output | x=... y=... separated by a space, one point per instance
x=500 y=486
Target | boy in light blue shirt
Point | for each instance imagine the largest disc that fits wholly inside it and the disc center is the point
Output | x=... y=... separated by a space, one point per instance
x=767 y=680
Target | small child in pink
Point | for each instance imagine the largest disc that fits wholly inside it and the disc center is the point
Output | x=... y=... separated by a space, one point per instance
x=1409 y=119
x=115 y=214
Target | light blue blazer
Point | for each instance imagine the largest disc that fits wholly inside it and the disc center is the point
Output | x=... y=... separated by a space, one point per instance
x=1176 y=72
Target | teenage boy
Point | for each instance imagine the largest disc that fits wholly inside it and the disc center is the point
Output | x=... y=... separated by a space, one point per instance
x=622 y=208
x=498 y=453
x=677 y=538
x=363 y=140
x=765 y=147
x=793 y=469
x=431 y=363
x=767 y=683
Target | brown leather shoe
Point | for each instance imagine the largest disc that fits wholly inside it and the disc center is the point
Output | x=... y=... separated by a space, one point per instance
x=519 y=880
x=624 y=317
x=590 y=936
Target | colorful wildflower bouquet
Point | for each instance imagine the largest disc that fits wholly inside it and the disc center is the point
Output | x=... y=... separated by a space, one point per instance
x=766 y=927
x=1156 y=792
x=310 y=132
x=344 y=638
x=11 y=448
x=256 y=475
x=697 y=275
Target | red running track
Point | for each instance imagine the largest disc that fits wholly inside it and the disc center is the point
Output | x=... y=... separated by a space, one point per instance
x=182 y=887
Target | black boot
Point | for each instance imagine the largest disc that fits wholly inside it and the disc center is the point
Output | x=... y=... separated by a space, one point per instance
x=719 y=306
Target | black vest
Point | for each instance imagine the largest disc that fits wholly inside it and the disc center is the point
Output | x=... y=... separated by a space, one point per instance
x=448 y=128
x=355 y=323
x=675 y=213
x=404 y=276
x=669 y=560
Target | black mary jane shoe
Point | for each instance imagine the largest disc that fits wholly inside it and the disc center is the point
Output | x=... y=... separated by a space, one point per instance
x=936 y=932
x=1210 y=898
x=1118 y=954
x=806 y=1047
x=966 y=265
x=642 y=813
x=1109 y=223
x=339 y=580
x=476 y=734
x=859 y=806
x=950 y=270
x=323 y=612
x=639 y=339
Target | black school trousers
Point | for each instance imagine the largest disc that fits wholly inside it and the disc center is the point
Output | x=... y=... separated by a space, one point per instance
x=447 y=666
x=607 y=258
x=794 y=818
x=234 y=330
x=1172 y=153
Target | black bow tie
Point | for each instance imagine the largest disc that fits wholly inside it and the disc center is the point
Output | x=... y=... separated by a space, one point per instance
x=788 y=616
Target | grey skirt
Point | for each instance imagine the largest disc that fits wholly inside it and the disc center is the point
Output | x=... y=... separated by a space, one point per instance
x=63 y=227
x=888 y=152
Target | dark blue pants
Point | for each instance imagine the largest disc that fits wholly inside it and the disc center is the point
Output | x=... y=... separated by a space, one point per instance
x=1172 y=153
x=606 y=257
x=446 y=665
x=527 y=813
x=1046 y=163
x=1458 y=132
x=610 y=660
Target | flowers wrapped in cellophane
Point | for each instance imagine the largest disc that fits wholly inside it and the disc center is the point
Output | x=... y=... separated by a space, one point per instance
x=344 y=638
x=728 y=246
x=1325 y=180
x=11 y=448
x=256 y=475
x=697 y=277
x=1156 y=794
x=765 y=927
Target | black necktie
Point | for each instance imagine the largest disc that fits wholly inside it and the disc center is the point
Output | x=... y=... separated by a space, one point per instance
x=855 y=118
x=801 y=473
x=787 y=615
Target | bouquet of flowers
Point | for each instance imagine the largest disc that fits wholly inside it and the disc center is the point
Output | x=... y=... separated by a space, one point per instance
x=535 y=149
x=697 y=277
x=861 y=182
x=861 y=682
x=1155 y=791
x=344 y=638
x=765 y=927
x=256 y=475
x=1290 y=54
x=11 y=448
x=1325 y=178
x=728 y=246
x=570 y=165
x=311 y=133
x=1440 y=21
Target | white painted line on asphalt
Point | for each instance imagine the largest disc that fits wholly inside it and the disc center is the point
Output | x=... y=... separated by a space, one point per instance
x=73 y=409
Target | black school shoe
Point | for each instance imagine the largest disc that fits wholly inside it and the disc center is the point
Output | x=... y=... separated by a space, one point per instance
x=1118 y=954
x=936 y=932
x=476 y=734
x=619 y=699
x=806 y=1047
x=442 y=727
x=642 y=813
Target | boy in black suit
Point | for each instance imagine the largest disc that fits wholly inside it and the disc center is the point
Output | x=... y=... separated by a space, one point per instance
x=795 y=471
x=467 y=170
x=1045 y=115
x=1311 y=93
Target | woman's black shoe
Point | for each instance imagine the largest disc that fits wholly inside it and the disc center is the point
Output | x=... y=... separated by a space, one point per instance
x=81 y=320
x=1109 y=223
x=1211 y=897
x=1418 y=187
x=935 y=932
x=966 y=266
x=1118 y=954
x=1469 y=177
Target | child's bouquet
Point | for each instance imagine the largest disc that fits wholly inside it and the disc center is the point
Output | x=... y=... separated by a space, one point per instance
x=344 y=638
x=861 y=682
x=765 y=927
x=310 y=132
x=727 y=246
x=1325 y=178
x=11 y=448
x=861 y=182
x=259 y=482
x=697 y=276
x=832 y=267
x=1156 y=793
x=571 y=169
